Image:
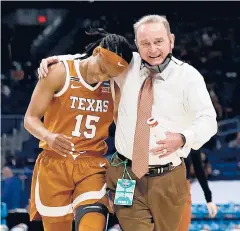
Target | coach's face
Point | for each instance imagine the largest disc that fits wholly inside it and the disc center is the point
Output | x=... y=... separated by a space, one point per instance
x=153 y=42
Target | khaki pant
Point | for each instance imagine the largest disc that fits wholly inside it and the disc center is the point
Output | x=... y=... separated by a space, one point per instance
x=158 y=201
x=60 y=184
x=187 y=213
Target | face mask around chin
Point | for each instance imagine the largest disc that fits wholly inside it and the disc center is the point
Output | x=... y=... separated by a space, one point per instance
x=158 y=68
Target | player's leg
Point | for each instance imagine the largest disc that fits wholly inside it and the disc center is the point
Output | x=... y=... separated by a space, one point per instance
x=90 y=200
x=58 y=226
x=33 y=213
x=52 y=191
x=93 y=217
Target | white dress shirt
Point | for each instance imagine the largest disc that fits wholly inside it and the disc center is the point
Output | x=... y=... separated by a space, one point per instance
x=181 y=104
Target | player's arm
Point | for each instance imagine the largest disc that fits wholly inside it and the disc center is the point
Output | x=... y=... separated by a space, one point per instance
x=41 y=98
x=200 y=174
x=44 y=65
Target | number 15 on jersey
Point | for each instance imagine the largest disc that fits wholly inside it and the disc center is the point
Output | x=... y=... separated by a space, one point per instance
x=88 y=125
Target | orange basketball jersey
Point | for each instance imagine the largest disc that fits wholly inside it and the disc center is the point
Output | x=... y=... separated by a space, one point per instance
x=81 y=111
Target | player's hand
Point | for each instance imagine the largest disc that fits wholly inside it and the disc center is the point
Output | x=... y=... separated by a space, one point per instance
x=212 y=209
x=111 y=205
x=60 y=143
x=168 y=146
x=43 y=68
x=111 y=196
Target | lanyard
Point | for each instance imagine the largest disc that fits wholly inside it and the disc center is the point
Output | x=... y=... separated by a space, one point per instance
x=125 y=171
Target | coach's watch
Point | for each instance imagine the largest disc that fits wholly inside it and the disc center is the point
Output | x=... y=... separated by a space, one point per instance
x=183 y=139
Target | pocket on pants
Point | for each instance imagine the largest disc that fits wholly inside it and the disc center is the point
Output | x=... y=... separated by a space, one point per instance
x=112 y=176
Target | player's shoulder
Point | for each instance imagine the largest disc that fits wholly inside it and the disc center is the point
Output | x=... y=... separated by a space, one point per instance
x=56 y=76
x=56 y=67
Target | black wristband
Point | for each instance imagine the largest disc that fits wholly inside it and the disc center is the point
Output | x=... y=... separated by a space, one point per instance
x=183 y=139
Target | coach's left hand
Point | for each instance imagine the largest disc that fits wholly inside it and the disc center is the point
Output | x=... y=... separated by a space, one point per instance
x=166 y=147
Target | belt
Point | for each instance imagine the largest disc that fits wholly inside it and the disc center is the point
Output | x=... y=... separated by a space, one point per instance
x=152 y=170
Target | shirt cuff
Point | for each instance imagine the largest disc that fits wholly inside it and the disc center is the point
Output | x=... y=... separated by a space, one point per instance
x=189 y=136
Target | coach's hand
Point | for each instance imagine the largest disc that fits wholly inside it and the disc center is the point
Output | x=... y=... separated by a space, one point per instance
x=212 y=209
x=43 y=68
x=166 y=147
x=60 y=144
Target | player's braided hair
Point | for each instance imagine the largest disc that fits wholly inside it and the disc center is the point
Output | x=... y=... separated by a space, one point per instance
x=112 y=42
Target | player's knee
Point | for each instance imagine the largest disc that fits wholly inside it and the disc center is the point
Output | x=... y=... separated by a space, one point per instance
x=59 y=226
x=92 y=222
x=92 y=217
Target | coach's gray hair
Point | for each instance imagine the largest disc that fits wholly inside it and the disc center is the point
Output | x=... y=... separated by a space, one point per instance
x=153 y=18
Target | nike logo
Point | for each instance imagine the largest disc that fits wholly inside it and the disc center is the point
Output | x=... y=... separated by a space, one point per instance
x=72 y=86
x=75 y=156
x=102 y=165
x=119 y=64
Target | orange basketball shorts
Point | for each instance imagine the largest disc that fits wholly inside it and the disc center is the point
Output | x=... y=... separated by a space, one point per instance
x=60 y=184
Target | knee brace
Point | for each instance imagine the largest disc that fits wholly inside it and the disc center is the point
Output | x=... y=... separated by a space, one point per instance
x=84 y=209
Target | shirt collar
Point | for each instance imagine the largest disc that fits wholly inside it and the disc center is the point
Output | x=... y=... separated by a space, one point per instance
x=164 y=74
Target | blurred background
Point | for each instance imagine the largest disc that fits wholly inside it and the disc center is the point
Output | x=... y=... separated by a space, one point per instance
x=207 y=36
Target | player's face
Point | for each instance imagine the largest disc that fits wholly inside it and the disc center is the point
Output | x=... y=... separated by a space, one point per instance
x=99 y=70
x=96 y=70
x=154 y=43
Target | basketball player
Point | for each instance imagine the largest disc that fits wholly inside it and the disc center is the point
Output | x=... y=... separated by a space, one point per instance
x=77 y=105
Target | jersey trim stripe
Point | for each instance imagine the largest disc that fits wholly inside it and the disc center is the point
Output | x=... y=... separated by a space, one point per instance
x=65 y=87
x=43 y=210
x=91 y=195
